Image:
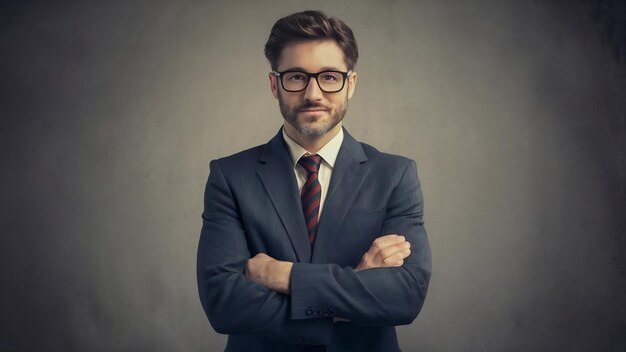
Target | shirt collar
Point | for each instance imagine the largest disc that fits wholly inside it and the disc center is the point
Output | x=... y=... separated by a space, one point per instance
x=328 y=152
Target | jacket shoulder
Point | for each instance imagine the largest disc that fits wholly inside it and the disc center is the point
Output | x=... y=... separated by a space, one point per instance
x=236 y=161
x=385 y=159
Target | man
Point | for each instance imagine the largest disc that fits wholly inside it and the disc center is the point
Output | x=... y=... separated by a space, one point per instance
x=313 y=241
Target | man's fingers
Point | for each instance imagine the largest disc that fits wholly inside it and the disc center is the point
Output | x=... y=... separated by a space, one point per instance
x=398 y=248
x=261 y=255
x=388 y=239
x=255 y=262
x=385 y=241
x=385 y=251
x=396 y=257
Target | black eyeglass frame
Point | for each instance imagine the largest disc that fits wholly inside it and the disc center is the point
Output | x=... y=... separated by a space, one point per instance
x=315 y=75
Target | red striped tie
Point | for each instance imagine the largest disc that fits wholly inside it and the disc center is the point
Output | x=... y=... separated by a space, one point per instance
x=311 y=193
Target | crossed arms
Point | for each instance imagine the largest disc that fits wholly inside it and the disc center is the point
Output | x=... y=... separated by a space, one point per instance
x=386 y=251
x=295 y=302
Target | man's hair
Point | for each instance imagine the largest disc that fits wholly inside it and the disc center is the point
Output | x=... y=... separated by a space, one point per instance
x=310 y=25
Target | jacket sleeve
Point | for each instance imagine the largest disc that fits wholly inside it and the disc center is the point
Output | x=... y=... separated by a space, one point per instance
x=233 y=303
x=377 y=296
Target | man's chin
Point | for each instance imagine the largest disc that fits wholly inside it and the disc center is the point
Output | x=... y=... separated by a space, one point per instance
x=312 y=129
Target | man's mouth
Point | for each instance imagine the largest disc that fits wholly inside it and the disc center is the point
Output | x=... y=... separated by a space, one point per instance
x=313 y=109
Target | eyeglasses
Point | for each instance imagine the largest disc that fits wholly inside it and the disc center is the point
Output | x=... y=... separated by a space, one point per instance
x=297 y=81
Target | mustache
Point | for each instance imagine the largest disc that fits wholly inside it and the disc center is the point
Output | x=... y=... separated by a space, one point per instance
x=311 y=105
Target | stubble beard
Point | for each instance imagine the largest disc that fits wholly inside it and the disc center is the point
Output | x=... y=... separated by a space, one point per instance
x=290 y=113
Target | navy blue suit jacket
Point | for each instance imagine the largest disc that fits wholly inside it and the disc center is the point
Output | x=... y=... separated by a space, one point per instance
x=252 y=205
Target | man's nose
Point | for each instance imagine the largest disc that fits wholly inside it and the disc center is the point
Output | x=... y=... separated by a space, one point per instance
x=313 y=91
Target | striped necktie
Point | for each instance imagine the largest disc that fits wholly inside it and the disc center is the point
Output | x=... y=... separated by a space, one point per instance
x=311 y=193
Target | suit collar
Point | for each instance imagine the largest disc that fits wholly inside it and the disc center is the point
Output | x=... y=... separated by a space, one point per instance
x=276 y=173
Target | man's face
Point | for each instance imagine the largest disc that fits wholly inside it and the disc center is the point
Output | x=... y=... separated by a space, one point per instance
x=313 y=112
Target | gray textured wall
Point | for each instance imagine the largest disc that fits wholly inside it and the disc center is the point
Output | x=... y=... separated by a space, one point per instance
x=111 y=111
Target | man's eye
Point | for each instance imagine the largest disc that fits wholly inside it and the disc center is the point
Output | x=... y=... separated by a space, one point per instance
x=296 y=77
x=329 y=78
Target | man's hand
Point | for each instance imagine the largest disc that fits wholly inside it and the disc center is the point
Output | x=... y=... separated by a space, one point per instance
x=385 y=251
x=269 y=272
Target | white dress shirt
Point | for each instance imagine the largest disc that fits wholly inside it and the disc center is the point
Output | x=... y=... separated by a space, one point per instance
x=329 y=155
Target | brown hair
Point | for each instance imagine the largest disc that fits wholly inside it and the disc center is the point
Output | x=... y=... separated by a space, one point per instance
x=310 y=25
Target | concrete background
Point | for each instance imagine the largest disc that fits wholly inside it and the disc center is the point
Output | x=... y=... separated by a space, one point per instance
x=111 y=111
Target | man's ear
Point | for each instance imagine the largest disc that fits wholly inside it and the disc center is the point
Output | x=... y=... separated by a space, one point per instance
x=351 y=84
x=273 y=84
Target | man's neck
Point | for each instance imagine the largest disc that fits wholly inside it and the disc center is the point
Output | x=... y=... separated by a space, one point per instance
x=311 y=144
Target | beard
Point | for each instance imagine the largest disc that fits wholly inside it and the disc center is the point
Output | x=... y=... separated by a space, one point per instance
x=313 y=127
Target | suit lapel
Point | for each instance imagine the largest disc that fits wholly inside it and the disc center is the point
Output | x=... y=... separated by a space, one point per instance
x=348 y=175
x=276 y=173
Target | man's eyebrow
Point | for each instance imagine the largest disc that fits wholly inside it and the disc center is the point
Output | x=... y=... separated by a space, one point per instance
x=325 y=68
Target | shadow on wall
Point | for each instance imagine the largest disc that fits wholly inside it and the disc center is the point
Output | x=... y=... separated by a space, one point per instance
x=611 y=17
x=611 y=14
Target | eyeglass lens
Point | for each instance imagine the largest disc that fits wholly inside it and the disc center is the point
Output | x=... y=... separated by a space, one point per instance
x=328 y=81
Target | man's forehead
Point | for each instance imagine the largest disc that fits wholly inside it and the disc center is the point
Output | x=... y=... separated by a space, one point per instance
x=312 y=56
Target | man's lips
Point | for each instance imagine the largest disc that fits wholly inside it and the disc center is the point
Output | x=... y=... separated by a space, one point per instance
x=313 y=110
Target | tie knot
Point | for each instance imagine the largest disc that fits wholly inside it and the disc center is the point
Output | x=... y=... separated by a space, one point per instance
x=310 y=163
